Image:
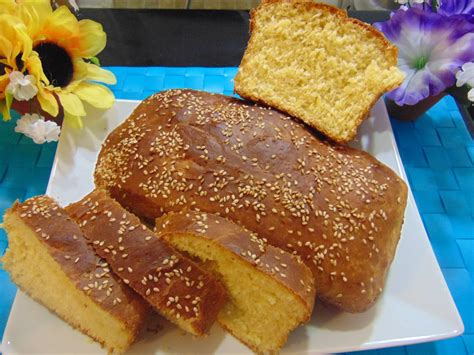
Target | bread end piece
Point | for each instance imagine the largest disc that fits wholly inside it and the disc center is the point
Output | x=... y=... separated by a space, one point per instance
x=313 y=62
x=48 y=259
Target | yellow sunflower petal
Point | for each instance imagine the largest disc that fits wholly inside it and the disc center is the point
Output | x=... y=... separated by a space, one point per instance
x=14 y=39
x=33 y=14
x=96 y=73
x=93 y=38
x=4 y=80
x=74 y=121
x=80 y=69
x=96 y=95
x=48 y=102
x=45 y=97
x=61 y=20
x=31 y=21
x=71 y=103
x=9 y=7
x=6 y=47
x=61 y=28
x=35 y=68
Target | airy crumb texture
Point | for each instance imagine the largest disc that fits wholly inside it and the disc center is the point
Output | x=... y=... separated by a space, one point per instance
x=174 y=285
x=271 y=291
x=313 y=62
x=48 y=258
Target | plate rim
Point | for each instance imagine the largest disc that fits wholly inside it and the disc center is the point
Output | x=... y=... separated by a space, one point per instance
x=459 y=327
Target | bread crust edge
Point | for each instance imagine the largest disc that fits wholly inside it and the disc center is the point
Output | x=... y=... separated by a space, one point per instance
x=390 y=50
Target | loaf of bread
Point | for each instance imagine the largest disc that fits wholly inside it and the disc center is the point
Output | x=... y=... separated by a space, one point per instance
x=175 y=286
x=338 y=208
x=271 y=291
x=313 y=62
x=49 y=259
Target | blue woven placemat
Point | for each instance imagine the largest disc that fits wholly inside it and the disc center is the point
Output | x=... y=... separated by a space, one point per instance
x=436 y=150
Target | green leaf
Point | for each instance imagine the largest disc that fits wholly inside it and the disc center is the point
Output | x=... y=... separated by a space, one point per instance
x=95 y=60
x=7 y=106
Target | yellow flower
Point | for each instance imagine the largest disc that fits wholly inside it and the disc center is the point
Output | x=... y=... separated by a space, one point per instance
x=15 y=51
x=62 y=42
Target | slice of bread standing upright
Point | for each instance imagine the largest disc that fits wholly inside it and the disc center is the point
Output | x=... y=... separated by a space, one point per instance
x=313 y=62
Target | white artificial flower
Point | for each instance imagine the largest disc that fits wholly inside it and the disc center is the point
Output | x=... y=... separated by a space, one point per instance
x=465 y=75
x=411 y=2
x=22 y=87
x=470 y=95
x=35 y=127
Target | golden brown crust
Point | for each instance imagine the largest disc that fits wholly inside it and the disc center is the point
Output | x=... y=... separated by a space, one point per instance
x=337 y=207
x=390 y=50
x=285 y=268
x=66 y=244
x=174 y=285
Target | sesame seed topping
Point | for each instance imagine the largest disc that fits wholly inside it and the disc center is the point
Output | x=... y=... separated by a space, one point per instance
x=326 y=190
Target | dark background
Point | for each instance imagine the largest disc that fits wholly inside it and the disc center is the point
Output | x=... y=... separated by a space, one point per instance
x=209 y=38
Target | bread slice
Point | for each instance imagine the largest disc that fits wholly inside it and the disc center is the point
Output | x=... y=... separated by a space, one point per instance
x=313 y=62
x=49 y=259
x=174 y=285
x=271 y=291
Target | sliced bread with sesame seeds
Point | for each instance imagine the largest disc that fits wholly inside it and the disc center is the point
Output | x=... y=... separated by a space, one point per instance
x=49 y=259
x=175 y=286
x=313 y=62
x=339 y=208
x=271 y=291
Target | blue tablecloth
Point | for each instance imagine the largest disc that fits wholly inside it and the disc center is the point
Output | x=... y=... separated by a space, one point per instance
x=437 y=152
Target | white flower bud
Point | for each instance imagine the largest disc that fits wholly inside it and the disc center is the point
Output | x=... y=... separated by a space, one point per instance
x=22 y=87
x=35 y=127
x=470 y=95
x=465 y=75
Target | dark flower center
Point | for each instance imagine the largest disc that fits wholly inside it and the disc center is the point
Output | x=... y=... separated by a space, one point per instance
x=19 y=62
x=56 y=62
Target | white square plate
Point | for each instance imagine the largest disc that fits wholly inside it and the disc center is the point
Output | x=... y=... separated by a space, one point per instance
x=416 y=305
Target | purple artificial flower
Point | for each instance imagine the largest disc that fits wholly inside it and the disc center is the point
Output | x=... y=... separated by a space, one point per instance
x=431 y=49
x=456 y=7
x=443 y=7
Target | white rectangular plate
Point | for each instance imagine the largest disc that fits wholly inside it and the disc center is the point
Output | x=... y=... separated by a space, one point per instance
x=416 y=305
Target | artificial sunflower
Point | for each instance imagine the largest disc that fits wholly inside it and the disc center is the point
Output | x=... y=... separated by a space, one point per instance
x=65 y=47
x=15 y=52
